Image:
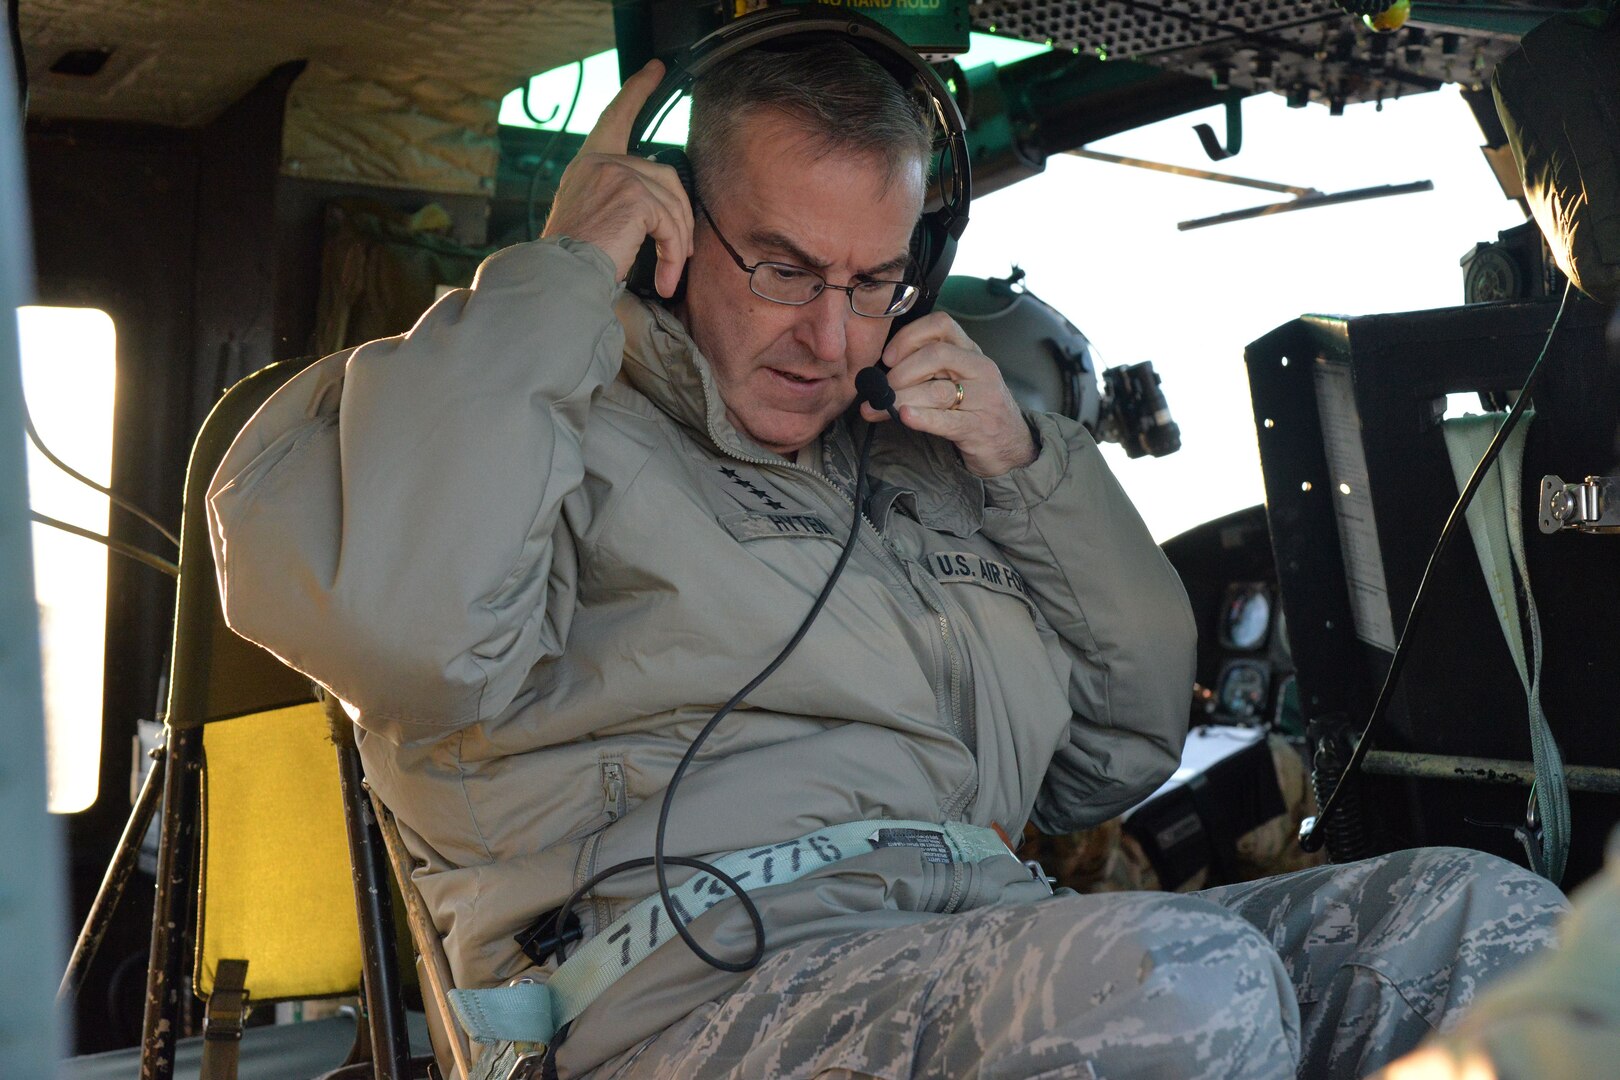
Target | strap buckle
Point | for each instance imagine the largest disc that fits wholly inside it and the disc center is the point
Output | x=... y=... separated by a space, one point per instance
x=227 y=1005
x=1038 y=872
x=528 y=1065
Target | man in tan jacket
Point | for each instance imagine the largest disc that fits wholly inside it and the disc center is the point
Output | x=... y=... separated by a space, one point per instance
x=535 y=542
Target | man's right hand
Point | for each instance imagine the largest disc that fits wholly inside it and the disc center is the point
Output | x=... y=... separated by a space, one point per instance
x=616 y=201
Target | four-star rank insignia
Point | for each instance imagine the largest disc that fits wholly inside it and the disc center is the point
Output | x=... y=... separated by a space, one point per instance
x=752 y=488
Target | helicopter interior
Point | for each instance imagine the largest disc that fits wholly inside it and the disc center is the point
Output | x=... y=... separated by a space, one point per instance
x=244 y=182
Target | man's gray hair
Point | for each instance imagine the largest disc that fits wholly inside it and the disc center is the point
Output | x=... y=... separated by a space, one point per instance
x=845 y=101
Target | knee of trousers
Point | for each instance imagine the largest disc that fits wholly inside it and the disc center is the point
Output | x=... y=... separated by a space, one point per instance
x=1491 y=887
x=1441 y=923
x=1490 y=870
x=1182 y=963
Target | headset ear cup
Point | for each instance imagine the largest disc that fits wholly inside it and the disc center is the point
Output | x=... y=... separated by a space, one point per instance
x=676 y=159
x=922 y=262
x=641 y=279
x=933 y=248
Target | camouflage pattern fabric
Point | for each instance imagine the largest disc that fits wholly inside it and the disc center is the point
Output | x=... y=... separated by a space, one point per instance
x=1383 y=951
x=1327 y=973
x=1557 y=1018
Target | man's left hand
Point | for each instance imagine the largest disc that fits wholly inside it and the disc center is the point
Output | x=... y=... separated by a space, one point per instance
x=927 y=361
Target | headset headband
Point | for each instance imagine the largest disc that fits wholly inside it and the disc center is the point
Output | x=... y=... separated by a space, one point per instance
x=939 y=229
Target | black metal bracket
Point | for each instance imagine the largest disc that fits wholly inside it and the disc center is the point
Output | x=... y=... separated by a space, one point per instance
x=1234 y=133
x=543 y=939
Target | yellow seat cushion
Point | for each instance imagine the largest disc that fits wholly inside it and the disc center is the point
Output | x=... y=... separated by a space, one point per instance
x=275 y=884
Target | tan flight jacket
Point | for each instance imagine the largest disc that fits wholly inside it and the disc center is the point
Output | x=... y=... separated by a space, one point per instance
x=524 y=543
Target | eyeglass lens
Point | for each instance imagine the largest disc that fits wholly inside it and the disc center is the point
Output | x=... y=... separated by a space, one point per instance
x=787 y=284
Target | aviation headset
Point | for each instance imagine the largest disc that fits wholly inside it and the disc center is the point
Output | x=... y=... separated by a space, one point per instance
x=933 y=243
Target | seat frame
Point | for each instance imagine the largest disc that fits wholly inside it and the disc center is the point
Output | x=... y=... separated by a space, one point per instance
x=382 y=1046
x=451 y=1048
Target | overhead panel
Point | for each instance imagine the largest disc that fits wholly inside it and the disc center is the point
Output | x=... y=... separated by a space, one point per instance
x=181 y=62
x=1307 y=50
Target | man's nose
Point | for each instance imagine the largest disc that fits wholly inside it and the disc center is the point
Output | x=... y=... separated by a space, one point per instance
x=823 y=326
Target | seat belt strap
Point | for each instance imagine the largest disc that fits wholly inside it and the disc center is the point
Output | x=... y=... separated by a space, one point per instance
x=1495 y=522
x=533 y=1012
x=222 y=1021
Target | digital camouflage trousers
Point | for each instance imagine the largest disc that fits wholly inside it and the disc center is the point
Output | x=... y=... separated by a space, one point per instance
x=1325 y=973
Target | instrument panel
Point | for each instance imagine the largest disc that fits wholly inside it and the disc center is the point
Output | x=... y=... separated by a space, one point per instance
x=1245 y=669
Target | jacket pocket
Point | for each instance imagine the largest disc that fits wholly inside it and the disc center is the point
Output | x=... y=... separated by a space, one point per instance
x=615 y=799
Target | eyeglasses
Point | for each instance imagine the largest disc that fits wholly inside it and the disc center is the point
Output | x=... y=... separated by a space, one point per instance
x=784 y=283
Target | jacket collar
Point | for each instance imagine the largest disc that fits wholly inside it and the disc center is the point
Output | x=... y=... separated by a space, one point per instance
x=662 y=363
x=664 y=366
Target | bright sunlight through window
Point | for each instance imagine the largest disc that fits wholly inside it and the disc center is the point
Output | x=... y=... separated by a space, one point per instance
x=67 y=371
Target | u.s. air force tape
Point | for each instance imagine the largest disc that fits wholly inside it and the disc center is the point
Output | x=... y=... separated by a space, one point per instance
x=949 y=567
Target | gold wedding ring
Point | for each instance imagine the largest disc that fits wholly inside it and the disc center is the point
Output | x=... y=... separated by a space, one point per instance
x=961 y=392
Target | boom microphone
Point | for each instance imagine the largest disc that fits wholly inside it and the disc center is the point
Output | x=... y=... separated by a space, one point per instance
x=872 y=388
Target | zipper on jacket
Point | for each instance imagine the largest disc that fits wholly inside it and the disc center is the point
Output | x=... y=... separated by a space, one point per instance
x=601 y=911
x=614 y=802
x=954 y=674
x=964 y=723
x=954 y=659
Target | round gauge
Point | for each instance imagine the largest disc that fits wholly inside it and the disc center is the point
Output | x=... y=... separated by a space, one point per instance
x=1247 y=618
x=1491 y=274
x=1244 y=689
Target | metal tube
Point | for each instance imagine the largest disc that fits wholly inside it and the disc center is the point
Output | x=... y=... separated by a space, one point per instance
x=1309 y=202
x=32 y=885
x=1196 y=174
x=111 y=894
x=176 y=878
x=1589 y=778
x=385 y=1013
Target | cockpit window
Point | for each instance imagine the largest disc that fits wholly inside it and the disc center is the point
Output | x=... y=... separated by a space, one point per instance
x=1099 y=243
x=68 y=373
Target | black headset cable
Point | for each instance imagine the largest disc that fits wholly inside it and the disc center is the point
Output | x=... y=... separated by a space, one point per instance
x=113 y=497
